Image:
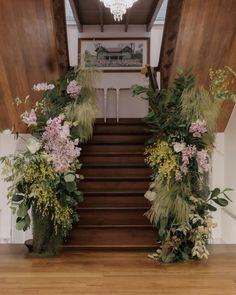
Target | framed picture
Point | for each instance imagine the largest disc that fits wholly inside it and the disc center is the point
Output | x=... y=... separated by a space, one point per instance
x=114 y=54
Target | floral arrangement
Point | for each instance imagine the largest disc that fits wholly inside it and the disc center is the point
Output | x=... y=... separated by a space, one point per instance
x=44 y=176
x=183 y=120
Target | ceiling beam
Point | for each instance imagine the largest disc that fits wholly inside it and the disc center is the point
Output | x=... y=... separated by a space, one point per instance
x=75 y=9
x=101 y=17
x=127 y=20
x=156 y=8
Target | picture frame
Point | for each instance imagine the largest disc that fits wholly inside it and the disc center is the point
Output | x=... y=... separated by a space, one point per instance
x=114 y=54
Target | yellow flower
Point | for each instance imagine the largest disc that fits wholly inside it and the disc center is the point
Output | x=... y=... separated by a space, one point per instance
x=160 y=156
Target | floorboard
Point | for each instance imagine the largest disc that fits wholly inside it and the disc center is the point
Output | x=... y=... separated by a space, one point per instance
x=114 y=273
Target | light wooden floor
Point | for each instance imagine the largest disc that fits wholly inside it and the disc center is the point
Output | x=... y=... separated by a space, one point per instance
x=113 y=273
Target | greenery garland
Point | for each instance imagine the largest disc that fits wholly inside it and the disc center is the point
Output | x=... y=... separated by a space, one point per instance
x=183 y=120
x=44 y=176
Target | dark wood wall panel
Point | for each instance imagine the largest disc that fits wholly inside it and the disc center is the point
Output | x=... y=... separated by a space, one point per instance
x=206 y=37
x=29 y=52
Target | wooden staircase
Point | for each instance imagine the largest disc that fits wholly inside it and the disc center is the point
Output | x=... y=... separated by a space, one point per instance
x=116 y=178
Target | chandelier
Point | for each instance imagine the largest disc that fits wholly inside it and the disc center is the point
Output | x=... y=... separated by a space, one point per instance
x=118 y=7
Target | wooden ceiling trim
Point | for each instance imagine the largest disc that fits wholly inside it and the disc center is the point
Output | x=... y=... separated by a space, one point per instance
x=75 y=9
x=156 y=8
x=101 y=16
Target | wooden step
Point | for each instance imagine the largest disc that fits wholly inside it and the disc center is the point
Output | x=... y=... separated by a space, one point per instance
x=112 y=216
x=114 y=199
x=119 y=139
x=111 y=183
x=116 y=178
x=112 y=157
x=115 y=169
x=121 y=129
x=112 y=237
x=119 y=148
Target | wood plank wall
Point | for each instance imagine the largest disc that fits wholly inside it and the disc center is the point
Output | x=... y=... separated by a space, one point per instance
x=206 y=38
x=33 y=48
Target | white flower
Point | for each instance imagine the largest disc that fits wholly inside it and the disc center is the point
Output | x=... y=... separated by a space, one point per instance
x=6 y=132
x=62 y=116
x=33 y=145
x=151 y=196
x=43 y=87
x=178 y=147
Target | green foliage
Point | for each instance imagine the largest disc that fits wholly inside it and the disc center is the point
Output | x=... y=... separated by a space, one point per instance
x=183 y=120
x=84 y=114
x=36 y=186
x=169 y=202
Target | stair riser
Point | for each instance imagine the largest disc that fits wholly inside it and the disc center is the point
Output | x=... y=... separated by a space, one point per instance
x=120 y=139
x=114 y=201
x=107 y=172
x=119 y=148
x=118 y=129
x=112 y=236
x=112 y=160
x=91 y=186
x=112 y=217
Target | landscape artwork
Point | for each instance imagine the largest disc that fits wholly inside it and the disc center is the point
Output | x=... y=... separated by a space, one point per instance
x=114 y=54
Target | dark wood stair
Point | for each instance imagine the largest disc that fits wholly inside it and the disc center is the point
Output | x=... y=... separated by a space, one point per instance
x=116 y=178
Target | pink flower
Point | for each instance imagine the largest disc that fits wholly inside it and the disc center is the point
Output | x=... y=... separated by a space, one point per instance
x=73 y=89
x=29 y=118
x=188 y=153
x=198 y=128
x=43 y=87
x=178 y=176
x=203 y=160
x=59 y=146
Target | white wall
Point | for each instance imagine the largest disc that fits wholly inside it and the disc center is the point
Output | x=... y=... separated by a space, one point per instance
x=229 y=214
x=129 y=107
x=7 y=146
x=8 y=233
x=217 y=180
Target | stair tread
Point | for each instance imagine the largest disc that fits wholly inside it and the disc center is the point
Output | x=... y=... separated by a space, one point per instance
x=123 y=121
x=114 y=208
x=114 y=192
x=116 y=247
x=149 y=226
x=117 y=154
x=116 y=165
x=117 y=178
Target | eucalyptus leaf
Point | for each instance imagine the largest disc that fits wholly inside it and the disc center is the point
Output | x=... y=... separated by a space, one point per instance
x=215 y=193
x=211 y=208
x=22 y=211
x=20 y=225
x=69 y=177
x=71 y=186
x=222 y=202
x=17 y=197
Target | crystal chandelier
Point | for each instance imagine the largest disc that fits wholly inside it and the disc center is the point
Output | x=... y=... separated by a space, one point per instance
x=118 y=7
